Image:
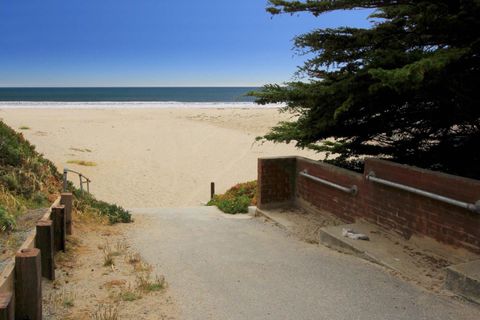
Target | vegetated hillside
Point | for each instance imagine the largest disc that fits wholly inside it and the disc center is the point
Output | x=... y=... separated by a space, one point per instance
x=29 y=181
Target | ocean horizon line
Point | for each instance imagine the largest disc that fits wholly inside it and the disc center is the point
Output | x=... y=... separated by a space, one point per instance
x=126 y=94
x=133 y=105
x=119 y=87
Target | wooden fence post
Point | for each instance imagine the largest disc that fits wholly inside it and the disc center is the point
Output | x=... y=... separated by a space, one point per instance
x=7 y=306
x=59 y=227
x=44 y=242
x=67 y=199
x=212 y=190
x=28 y=285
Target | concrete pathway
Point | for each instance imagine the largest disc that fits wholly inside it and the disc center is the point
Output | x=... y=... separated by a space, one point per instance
x=229 y=267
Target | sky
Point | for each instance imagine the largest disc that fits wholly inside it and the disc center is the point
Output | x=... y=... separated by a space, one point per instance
x=152 y=42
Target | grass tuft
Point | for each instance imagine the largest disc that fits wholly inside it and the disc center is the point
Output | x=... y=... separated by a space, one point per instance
x=105 y=312
x=146 y=284
x=69 y=300
x=7 y=221
x=129 y=295
x=83 y=163
x=108 y=255
x=134 y=258
x=80 y=150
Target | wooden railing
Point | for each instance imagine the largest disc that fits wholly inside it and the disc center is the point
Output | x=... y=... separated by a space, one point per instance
x=83 y=179
x=20 y=280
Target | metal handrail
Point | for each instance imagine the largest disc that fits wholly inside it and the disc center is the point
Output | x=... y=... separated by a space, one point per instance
x=352 y=190
x=475 y=207
x=82 y=178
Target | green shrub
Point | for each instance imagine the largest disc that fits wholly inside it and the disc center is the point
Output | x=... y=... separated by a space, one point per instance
x=87 y=202
x=24 y=173
x=231 y=205
x=236 y=199
x=40 y=199
x=13 y=147
x=7 y=221
x=10 y=181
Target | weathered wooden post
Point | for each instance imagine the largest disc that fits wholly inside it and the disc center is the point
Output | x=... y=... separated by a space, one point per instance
x=67 y=200
x=65 y=181
x=212 y=189
x=28 y=285
x=44 y=242
x=7 y=306
x=59 y=227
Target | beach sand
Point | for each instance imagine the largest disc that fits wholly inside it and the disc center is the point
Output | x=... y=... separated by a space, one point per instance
x=158 y=157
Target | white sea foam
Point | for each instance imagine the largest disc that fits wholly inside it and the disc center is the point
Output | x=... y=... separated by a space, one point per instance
x=129 y=105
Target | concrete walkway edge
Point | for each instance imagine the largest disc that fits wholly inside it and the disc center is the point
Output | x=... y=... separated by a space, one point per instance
x=462 y=279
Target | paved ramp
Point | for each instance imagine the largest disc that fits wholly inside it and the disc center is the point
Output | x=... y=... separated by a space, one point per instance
x=228 y=268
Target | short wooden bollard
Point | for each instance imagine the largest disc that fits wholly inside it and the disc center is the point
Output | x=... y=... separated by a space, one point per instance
x=59 y=227
x=212 y=189
x=67 y=200
x=7 y=306
x=44 y=242
x=28 y=285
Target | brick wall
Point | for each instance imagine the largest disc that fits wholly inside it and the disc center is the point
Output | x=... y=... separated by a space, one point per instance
x=400 y=211
x=342 y=204
x=276 y=181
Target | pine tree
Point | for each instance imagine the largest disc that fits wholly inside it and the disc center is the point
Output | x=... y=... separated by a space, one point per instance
x=405 y=89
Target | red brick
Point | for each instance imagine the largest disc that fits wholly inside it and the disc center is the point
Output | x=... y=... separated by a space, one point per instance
x=398 y=210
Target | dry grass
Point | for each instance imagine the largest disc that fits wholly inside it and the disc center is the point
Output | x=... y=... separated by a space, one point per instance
x=121 y=246
x=115 y=283
x=80 y=150
x=83 y=163
x=126 y=289
x=146 y=284
x=108 y=255
x=91 y=217
x=142 y=266
x=126 y=293
x=133 y=258
x=67 y=258
x=120 y=290
x=68 y=300
x=60 y=301
x=106 y=312
x=9 y=201
x=138 y=264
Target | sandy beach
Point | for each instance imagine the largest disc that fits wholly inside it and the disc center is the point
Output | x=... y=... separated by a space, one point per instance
x=154 y=157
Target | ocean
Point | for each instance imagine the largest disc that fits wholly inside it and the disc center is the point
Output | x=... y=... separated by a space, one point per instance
x=147 y=94
x=128 y=97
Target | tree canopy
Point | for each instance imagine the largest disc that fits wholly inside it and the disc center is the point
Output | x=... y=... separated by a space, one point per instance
x=405 y=89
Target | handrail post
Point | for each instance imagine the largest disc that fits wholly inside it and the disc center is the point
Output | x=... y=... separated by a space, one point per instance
x=65 y=172
x=81 y=177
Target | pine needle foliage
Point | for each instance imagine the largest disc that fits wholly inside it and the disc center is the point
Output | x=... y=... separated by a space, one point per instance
x=405 y=89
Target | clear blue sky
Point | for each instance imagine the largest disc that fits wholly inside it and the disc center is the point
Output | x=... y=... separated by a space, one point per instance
x=151 y=42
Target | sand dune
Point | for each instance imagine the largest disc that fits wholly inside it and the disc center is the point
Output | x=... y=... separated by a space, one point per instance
x=154 y=157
